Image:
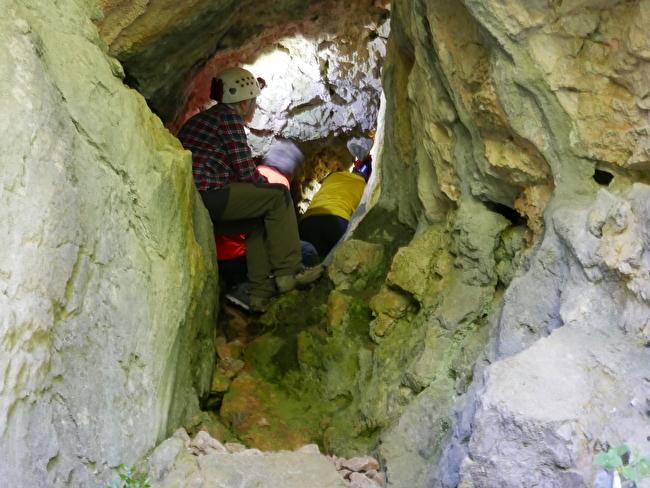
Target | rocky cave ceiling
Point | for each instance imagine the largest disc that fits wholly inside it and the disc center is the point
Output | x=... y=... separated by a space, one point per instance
x=322 y=60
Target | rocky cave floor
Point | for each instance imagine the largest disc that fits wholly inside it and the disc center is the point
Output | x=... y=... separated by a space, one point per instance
x=272 y=385
x=250 y=421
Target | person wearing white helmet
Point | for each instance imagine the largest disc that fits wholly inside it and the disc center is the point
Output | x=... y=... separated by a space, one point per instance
x=237 y=196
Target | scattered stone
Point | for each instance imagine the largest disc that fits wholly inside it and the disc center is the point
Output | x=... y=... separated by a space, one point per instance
x=354 y=262
x=379 y=478
x=251 y=468
x=359 y=464
x=211 y=423
x=228 y=351
x=391 y=303
x=387 y=306
x=182 y=435
x=203 y=443
x=251 y=452
x=359 y=480
x=360 y=472
x=338 y=306
x=220 y=382
x=232 y=367
x=219 y=346
x=236 y=348
x=336 y=461
x=162 y=459
x=235 y=322
x=381 y=326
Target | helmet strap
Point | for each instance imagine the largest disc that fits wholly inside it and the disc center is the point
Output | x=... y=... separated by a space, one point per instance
x=251 y=108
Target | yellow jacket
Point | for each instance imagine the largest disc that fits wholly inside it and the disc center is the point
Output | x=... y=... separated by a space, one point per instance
x=339 y=195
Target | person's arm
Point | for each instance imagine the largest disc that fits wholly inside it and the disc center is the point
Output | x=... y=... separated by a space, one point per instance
x=239 y=154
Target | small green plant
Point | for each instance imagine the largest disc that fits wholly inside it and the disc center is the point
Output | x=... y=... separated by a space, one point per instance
x=632 y=466
x=128 y=478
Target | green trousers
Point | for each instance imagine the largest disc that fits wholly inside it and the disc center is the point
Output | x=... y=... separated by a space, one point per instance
x=266 y=215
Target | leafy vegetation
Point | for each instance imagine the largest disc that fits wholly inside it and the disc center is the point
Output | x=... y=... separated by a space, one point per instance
x=129 y=478
x=632 y=466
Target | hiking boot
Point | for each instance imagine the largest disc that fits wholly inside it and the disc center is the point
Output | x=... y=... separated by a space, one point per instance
x=304 y=277
x=241 y=297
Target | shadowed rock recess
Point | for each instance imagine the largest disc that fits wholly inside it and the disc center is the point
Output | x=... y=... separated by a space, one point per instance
x=487 y=323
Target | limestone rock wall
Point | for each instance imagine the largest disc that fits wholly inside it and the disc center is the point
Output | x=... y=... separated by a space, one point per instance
x=541 y=413
x=107 y=279
x=522 y=99
x=520 y=107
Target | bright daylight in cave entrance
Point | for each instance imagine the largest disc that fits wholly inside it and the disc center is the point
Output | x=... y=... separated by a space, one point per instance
x=171 y=314
x=322 y=94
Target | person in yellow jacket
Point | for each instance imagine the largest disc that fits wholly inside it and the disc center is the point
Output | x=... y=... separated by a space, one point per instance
x=328 y=215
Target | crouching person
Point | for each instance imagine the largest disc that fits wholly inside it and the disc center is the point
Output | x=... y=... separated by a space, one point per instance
x=327 y=218
x=237 y=196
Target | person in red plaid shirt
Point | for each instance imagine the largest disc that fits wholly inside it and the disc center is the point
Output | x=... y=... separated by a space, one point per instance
x=238 y=198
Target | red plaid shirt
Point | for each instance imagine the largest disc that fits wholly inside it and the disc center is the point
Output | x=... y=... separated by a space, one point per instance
x=220 y=152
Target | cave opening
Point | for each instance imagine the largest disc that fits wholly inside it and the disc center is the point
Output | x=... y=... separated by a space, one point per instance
x=514 y=217
x=109 y=286
x=602 y=177
x=321 y=63
x=322 y=68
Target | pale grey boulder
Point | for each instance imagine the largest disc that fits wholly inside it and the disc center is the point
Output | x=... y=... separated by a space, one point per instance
x=546 y=410
x=542 y=411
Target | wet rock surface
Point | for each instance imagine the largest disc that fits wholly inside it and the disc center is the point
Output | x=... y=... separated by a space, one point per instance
x=376 y=353
x=518 y=122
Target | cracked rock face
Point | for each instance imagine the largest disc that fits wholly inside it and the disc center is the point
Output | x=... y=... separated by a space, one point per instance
x=204 y=461
x=526 y=102
x=107 y=281
x=544 y=411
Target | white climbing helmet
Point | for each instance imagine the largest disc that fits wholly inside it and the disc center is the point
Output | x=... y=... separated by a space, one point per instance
x=238 y=84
